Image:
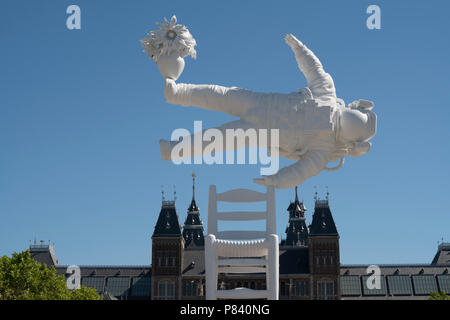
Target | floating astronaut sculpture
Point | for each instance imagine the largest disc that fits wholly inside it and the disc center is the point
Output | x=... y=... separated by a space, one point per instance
x=315 y=127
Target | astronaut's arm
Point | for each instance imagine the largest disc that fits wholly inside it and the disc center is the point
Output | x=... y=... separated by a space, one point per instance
x=232 y=100
x=309 y=165
x=319 y=82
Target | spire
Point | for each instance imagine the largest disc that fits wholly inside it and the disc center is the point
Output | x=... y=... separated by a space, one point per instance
x=193 y=186
x=193 y=206
x=193 y=226
x=297 y=232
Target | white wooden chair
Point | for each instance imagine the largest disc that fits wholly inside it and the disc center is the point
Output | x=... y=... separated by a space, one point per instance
x=241 y=251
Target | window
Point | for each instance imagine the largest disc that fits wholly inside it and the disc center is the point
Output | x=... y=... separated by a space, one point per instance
x=95 y=282
x=324 y=258
x=373 y=291
x=350 y=286
x=301 y=288
x=283 y=289
x=141 y=286
x=325 y=290
x=399 y=285
x=166 y=290
x=424 y=284
x=444 y=282
x=118 y=286
x=190 y=288
x=331 y=258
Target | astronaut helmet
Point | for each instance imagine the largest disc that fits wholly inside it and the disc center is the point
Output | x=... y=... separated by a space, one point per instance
x=357 y=123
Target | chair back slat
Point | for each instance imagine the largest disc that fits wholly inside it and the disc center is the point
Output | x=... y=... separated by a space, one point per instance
x=241 y=196
x=242 y=215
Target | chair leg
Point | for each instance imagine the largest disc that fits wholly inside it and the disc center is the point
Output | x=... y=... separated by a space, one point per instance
x=273 y=268
x=210 y=268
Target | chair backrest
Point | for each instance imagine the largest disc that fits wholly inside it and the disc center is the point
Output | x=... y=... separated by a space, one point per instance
x=241 y=196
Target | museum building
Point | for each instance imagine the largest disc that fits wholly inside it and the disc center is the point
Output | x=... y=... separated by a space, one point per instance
x=309 y=264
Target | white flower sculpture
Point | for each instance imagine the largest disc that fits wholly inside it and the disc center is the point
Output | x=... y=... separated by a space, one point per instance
x=170 y=39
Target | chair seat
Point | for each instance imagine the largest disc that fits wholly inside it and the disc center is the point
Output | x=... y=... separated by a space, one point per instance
x=258 y=243
x=242 y=262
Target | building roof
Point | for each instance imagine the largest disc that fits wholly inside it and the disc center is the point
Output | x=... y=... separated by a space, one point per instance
x=411 y=282
x=294 y=260
x=193 y=226
x=167 y=224
x=322 y=222
x=44 y=254
x=398 y=281
x=116 y=282
x=443 y=254
x=296 y=232
x=110 y=271
x=395 y=269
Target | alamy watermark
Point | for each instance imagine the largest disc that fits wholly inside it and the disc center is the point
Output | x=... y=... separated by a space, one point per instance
x=205 y=146
x=374 y=280
x=374 y=20
x=73 y=21
x=73 y=281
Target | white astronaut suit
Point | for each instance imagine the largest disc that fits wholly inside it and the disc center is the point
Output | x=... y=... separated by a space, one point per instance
x=314 y=125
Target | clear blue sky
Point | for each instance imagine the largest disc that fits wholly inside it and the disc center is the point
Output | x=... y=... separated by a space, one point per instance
x=82 y=111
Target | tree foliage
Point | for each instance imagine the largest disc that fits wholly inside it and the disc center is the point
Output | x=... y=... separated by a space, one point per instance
x=438 y=296
x=23 y=278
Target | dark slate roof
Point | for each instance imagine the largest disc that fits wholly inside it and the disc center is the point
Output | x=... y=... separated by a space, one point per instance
x=167 y=224
x=402 y=281
x=110 y=271
x=193 y=228
x=322 y=222
x=44 y=254
x=296 y=232
x=193 y=206
x=193 y=236
x=297 y=206
x=116 y=282
x=442 y=255
x=395 y=269
x=294 y=260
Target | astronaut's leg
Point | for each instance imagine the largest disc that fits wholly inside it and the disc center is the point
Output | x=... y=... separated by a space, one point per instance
x=233 y=135
x=233 y=101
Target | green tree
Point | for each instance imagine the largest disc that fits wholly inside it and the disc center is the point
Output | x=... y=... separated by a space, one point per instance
x=23 y=278
x=438 y=296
